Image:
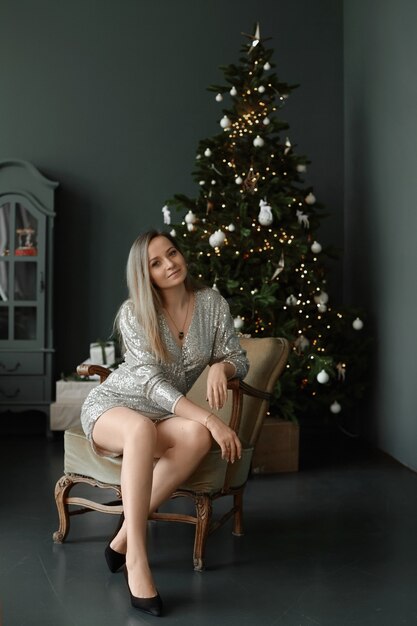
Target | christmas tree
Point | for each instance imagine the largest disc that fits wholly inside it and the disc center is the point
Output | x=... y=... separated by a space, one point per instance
x=250 y=232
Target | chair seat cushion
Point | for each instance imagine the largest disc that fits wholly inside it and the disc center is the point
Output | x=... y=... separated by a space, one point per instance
x=209 y=477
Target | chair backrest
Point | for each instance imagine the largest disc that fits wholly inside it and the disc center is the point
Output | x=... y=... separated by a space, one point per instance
x=267 y=358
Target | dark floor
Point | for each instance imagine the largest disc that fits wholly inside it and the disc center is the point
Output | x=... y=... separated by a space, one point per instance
x=334 y=545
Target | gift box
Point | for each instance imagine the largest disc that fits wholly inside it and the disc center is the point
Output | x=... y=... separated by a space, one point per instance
x=73 y=391
x=102 y=353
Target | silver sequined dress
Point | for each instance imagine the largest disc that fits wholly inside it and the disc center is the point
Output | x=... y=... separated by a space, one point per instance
x=152 y=388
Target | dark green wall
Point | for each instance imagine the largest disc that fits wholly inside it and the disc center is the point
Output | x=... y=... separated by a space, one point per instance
x=109 y=98
x=380 y=212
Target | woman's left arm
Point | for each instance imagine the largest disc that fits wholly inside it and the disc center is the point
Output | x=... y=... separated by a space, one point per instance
x=228 y=358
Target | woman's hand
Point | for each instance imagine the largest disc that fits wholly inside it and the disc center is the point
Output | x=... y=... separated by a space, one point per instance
x=226 y=438
x=217 y=385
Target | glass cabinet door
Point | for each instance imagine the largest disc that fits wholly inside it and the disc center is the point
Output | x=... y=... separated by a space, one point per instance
x=21 y=284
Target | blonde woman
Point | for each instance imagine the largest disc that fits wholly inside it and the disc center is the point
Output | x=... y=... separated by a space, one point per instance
x=171 y=330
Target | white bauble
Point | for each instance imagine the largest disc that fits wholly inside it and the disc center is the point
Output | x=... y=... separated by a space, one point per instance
x=173 y=232
x=291 y=300
x=233 y=91
x=213 y=182
x=207 y=152
x=258 y=142
x=219 y=97
x=261 y=89
x=191 y=227
x=266 y=121
x=238 y=180
x=301 y=343
x=301 y=168
x=190 y=218
x=322 y=308
x=321 y=298
x=225 y=122
x=357 y=324
x=198 y=157
x=267 y=66
x=335 y=407
x=202 y=182
x=323 y=377
x=231 y=228
x=265 y=217
x=217 y=239
x=310 y=198
x=316 y=247
x=238 y=323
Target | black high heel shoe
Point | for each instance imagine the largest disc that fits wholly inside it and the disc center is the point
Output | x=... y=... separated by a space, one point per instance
x=115 y=560
x=151 y=606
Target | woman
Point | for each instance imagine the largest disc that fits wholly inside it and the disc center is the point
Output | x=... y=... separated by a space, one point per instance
x=171 y=330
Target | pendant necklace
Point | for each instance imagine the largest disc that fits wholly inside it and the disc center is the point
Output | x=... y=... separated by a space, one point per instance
x=180 y=332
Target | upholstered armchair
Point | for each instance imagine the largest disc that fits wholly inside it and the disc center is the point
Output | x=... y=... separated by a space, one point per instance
x=244 y=411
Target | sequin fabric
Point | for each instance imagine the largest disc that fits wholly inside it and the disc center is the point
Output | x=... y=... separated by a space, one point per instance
x=152 y=388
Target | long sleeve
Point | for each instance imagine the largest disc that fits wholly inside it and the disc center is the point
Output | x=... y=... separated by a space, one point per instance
x=226 y=343
x=151 y=375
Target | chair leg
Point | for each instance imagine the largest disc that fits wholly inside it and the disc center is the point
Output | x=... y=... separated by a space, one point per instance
x=204 y=509
x=62 y=488
x=238 y=515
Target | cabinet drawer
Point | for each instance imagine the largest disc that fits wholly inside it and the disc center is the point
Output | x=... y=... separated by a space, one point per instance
x=21 y=363
x=21 y=389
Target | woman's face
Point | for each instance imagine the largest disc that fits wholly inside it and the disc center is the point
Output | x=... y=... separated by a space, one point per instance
x=167 y=266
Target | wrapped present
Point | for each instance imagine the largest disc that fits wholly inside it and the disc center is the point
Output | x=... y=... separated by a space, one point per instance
x=73 y=391
x=102 y=353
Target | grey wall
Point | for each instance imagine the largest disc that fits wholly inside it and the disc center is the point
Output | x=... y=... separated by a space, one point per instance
x=381 y=198
x=109 y=98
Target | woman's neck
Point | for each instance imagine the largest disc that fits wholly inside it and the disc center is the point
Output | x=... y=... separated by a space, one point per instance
x=175 y=298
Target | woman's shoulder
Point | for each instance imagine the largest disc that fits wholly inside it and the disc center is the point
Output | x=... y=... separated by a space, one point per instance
x=210 y=298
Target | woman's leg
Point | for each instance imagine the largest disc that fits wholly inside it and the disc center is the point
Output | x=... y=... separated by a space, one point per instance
x=180 y=447
x=127 y=432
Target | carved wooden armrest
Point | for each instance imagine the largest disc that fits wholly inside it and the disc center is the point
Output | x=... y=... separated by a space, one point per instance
x=239 y=388
x=89 y=369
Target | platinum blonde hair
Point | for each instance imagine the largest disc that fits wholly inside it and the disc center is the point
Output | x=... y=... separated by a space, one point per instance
x=144 y=295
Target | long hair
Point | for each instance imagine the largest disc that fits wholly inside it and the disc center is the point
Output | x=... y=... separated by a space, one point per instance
x=145 y=296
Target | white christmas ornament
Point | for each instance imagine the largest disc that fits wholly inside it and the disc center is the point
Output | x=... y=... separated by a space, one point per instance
x=335 y=407
x=213 y=182
x=265 y=217
x=266 y=121
x=301 y=343
x=321 y=298
x=238 y=180
x=217 y=239
x=173 y=232
x=207 y=152
x=233 y=91
x=301 y=168
x=303 y=219
x=292 y=300
x=322 y=308
x=190 y=218
x=202 y=182
x=323 y=377
x=261 y=89
x=231 y=228
x=238 y=323
x=191 y=227
x=267 y=66
x=219 y=97
x=167 y=214
x=225 y=122
x=316 y=247
x=258 y=142
x=287 y=146
x=357 y=324
x=310 y=198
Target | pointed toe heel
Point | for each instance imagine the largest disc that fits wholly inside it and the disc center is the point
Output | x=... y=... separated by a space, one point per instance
x=151 y=606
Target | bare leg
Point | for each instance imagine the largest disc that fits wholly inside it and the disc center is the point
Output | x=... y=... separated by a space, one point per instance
x=133 y=435
x=181 y=445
